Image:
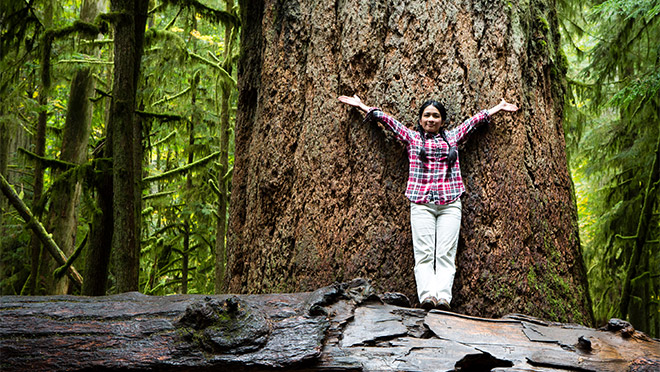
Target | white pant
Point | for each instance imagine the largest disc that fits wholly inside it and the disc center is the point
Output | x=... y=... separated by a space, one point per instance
x=435 y=231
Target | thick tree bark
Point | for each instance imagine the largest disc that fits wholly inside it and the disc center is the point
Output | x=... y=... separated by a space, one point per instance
x=343 y=327
x=129 y=33
x=317 y=194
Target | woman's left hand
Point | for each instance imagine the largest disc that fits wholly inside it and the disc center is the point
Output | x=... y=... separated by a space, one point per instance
x=503 y=105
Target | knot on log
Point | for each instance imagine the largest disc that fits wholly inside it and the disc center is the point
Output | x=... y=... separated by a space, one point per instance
x=358 y=290
x=228 y=326
x=584 y=343
x=614 y=325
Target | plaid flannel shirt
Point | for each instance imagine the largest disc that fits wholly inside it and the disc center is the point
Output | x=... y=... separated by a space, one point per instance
x=429 y=182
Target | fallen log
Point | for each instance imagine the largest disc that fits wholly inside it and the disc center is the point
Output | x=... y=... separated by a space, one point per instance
x=343 y=327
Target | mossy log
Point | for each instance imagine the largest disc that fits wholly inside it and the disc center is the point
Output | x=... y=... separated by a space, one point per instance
x=343 y=327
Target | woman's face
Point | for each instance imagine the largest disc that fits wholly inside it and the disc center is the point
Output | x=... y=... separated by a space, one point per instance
x=431 y=120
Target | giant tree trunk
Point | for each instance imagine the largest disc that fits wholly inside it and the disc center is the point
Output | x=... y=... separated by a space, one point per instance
x=317 y=194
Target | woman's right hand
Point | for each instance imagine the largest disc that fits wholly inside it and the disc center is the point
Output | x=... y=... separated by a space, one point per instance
x=354 y=101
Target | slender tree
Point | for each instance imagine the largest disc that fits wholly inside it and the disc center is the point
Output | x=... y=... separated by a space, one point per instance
x=99 y=249
x=22 y=27
x=33 y=283
x=62 y=221
x=129 y=24
x=224 y=173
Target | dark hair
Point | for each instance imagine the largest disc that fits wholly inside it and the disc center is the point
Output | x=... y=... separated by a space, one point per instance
x=453 y=152
x=436 y=104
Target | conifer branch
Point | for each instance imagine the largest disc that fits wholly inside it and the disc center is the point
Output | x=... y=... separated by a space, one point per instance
x=161 y=117
x=157 y=195
x=170 y=98
x=60 y=271
x=225 y=75
x=177 y=171
x=38 y=229
x=48 y=162
x=164 y=139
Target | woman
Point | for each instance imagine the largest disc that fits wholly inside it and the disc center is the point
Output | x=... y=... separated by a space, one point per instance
x=434 y=190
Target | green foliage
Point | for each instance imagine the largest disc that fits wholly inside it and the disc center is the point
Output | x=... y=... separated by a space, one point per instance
x=186 y=38
x=612 y=131
x=183 y=68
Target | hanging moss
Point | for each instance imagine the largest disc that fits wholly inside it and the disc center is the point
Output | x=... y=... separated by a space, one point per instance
x=174 y=44
x=47 y=162
x=228 y=19
x=80 y=27
x=161 y=117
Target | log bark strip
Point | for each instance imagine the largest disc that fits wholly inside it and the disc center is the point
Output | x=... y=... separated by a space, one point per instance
x=343 y=327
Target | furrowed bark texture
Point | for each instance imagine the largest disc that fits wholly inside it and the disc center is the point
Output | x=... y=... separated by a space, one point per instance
x=318 y=195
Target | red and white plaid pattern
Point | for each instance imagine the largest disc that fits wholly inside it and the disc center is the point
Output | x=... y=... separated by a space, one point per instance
x=428 y=182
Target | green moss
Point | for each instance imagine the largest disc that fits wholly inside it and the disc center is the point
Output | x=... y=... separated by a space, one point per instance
x=563 y=300
x=563 y=62
x=545 y=27
x=531 y=278
x=542 y=44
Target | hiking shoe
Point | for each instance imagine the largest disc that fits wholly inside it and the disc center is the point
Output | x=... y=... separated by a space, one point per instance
x=429 y=303
x=443 y=304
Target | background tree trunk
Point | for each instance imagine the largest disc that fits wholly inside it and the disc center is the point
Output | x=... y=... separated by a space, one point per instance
x=4 y=162
x=223 y=174
x=633 y=304
x=62 y=220
x=317 y=195
x=11 y=139
x=34 y=284
x=129 y=35
x=98 y=254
